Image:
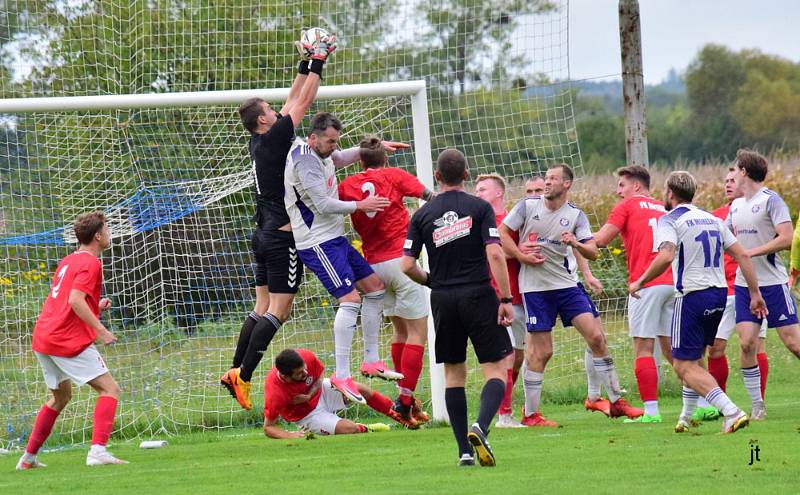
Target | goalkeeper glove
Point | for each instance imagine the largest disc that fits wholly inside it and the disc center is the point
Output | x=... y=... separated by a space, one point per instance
x=304 y=50
x=323 y=48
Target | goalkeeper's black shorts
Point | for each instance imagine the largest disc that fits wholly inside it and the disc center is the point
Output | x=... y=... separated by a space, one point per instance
x=277 y=263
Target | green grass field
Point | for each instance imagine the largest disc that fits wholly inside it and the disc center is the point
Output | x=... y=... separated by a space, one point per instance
x=588 y=452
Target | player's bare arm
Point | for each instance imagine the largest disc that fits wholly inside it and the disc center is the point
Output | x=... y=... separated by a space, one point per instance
x=605 y=235
x=513 y=251
x=662 y=261
x=302 y=398
x=349 y=156
x=409 y=266
x=77 y=301
x=499 y=268
x=593 y=283
x=588 y=249
x=279 y=433
x=757 y=305
x=781 y=242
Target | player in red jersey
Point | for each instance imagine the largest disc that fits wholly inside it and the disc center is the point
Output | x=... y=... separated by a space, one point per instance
x=296 y=391
x=63 y=342
x=717 y=361
x=383 y=235
x=635 y=219
x=492 y=189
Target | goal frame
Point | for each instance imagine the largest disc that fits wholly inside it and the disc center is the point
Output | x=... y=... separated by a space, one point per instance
x=416 y=89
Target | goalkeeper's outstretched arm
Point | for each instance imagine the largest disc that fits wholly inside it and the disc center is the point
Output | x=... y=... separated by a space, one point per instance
x=309 y=76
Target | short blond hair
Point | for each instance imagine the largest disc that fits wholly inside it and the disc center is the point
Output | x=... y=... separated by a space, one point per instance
x=497 y=178
x=682 y=185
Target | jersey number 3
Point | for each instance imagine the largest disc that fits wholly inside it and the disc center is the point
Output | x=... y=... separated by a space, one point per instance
x=369 y=188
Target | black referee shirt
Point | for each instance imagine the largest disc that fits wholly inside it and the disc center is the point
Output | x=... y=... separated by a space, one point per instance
x=268 y=158
x=455 y=227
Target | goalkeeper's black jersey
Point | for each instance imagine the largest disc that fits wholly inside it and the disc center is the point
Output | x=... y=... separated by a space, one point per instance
x=268 y=158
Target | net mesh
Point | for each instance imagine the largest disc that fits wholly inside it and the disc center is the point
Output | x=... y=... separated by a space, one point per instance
x=177 y=185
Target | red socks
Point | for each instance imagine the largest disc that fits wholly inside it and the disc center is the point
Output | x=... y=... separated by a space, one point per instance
x=411 y=366
x=763 y=365
x=380 y=403
x=718 y=367
x=104 y=411
x=41 y=429
x=397 y=356
x=647 y=378
x=505 y=406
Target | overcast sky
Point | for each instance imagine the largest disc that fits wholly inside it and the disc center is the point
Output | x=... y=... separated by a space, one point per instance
x=674 y=30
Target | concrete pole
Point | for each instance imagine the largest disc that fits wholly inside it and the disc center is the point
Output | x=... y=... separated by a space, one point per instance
x=630 y=37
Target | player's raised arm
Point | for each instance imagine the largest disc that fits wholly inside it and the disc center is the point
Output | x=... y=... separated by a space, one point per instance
x=318 y=45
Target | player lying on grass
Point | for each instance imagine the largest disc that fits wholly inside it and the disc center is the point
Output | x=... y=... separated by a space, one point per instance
x=296 y=391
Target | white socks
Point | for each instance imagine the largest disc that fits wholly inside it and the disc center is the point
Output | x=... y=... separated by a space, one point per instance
x=689 y=402
x=344 y=327
x=752 y=383
x=592 y=377
x=721 y=401
x=532 y=381
x=371 y=321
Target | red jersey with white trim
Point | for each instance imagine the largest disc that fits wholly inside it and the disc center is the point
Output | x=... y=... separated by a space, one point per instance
x=59 y=331
x=512 y=264
x=278 y=393
x=637 y=220
x=382 y=233
x=730 y=264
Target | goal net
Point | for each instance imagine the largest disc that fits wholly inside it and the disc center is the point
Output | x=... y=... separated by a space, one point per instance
x=176 y=183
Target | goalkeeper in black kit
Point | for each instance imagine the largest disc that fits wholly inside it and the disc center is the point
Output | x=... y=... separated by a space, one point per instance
x=278 y=269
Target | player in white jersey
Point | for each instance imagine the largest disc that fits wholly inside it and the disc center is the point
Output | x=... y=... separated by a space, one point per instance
x=317 y=217
x=692 y=241
x=549 y=284
x=761 y=222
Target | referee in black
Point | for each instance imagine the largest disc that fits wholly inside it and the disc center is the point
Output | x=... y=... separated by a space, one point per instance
x=460 y=235
x=279 y=271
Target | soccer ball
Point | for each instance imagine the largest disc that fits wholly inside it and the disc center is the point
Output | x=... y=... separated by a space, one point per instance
x=311 y=38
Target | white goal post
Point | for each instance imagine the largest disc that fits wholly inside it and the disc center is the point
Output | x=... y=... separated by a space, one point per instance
x=415 y=90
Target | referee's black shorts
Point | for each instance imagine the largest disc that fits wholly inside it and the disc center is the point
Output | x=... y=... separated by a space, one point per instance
x=468 y=312
x=277 y=263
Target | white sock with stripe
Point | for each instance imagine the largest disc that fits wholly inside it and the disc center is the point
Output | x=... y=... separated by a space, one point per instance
x=605 y=368
x=752 y=383
x=721 y=401
x=593 y=379
x=532 y=381
x=371 y=320
x=344 y=327
x=689 y=402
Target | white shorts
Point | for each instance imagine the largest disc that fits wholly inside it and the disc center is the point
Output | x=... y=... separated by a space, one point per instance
x=81 y=369
x=650 y=316
x=728 y=323
x=322 y=420
x=517 y=329
x=404 y=297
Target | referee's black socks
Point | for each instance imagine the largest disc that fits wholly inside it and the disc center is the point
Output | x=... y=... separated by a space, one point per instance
x=491 y=397
x=455 y=399
x=262 y=335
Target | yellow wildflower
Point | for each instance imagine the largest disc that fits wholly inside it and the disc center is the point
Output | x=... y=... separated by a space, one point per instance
x=5 y=281
x=616 y=251
x=325 y=303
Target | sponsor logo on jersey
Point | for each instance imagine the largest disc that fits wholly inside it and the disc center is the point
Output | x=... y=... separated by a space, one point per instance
x=309 y=380
x=755 y=208
x=564 y=221
x=450 y=228
x=533 y=236
x=493 y=233
x=408 y=244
